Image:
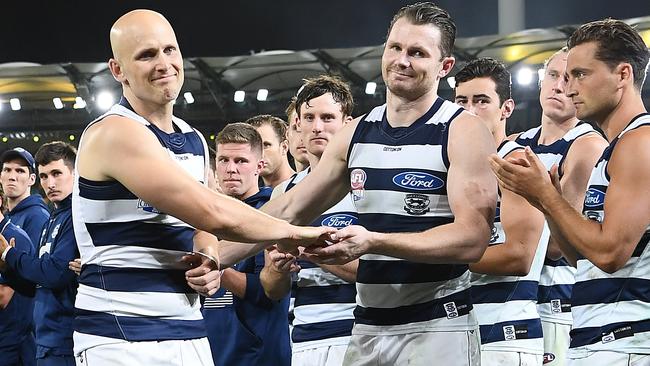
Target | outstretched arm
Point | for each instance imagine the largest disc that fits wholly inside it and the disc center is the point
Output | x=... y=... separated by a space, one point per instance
x=147 y=170
x=325 y=186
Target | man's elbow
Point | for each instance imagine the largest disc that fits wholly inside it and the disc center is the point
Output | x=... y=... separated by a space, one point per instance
x=473 y=253
x=609 y=263
x=520 y=268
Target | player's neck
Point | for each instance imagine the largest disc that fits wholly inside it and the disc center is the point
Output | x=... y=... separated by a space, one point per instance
x=499 y=134
x=13 y=202
x=159 y=115
x=283 y=173
x=403 y=112
x=251 y=192
x=630 y=106
x=553 y=130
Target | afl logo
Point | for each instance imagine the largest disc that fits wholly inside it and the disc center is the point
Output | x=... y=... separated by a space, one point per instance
x=357 y=181
x=339 y=221
x=594 y=198
x=548 y=357
x=418 y=181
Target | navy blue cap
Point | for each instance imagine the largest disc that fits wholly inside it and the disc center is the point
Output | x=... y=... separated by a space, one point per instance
x=20 y=153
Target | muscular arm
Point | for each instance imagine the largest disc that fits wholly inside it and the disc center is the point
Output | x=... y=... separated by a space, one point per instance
x=523 y=225
x=471 y=190
x=578 y=165
x=142 y=166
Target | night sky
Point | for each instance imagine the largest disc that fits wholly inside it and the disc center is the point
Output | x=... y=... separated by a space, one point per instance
x=77 y=31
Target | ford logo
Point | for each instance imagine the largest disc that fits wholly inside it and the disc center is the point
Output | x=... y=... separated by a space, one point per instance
x=418 y=181
x=594 y=198
x=339 y=221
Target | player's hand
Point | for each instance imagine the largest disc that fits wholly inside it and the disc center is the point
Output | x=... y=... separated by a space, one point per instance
x=350 y=243
x=3 y=246
x=282 y=262
x=525 y=176
x=306 y=236
x=75 y=266
x=204 y=276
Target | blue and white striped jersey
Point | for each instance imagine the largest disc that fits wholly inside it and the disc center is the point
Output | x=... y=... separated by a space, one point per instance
x=398 y=178
x=323 y=303
x=132 y=286
x=611 y=312
x=558 y=276
x=506 y=306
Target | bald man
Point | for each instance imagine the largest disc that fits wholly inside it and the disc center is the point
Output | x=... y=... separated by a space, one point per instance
x=139 y=194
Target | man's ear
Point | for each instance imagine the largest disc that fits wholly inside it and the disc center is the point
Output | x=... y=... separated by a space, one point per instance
x=507 y=108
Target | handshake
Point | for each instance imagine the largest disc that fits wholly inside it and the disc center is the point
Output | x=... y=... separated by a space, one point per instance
x=321 y=245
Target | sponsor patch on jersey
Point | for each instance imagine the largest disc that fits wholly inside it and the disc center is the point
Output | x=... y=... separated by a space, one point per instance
x=147 y=207
x=622 y=332
x=594 y=198
x=357 y=182
x=451 y=310
x=513 y=332
x=339 y=220
x=418 y=181
x=417 y=204
x=557 y=306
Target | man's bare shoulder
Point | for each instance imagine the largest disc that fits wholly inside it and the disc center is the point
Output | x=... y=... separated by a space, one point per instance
x=587 y=146
x=113 y=131
x=109 y=141
x=467 y=124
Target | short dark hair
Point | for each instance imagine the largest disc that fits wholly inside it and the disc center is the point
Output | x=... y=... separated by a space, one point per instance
x=277 y=124
x=323 y=84
x=56 y=150
x=617 y=42
x=486 y=67
x=429 y=13
x=241 y=133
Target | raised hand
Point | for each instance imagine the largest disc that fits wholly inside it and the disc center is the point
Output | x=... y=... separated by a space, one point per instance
x=525 y=176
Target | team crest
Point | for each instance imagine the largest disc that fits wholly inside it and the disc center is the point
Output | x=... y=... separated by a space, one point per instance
x=594 y=215
x=417 y=204
x=494 y=235
x=55 y=231
x=357 y=182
